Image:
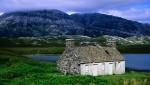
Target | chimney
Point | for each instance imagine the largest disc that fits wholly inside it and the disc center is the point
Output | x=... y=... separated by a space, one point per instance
x=111 y=43
x=70 y=43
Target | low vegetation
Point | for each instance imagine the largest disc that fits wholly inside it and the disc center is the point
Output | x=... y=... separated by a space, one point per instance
x=33 y=45
x=59 y=50
x=16 y=69
x=134 y=48
x=34 y=50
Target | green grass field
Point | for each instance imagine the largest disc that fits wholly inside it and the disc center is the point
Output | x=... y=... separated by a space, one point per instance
x=18 y=70
x=59 y=50
x=34 y=50
x=134 y=48
x=56 y=46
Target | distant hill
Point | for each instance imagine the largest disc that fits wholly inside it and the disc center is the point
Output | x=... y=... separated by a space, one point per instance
x=57 y=23
x=99 y=24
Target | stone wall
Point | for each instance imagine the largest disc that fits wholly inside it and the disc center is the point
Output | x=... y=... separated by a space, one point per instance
x=68 y=63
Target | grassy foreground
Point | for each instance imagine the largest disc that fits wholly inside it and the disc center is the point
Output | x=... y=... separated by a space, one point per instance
x=18 y=70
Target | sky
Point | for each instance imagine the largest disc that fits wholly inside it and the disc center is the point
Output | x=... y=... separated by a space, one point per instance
x=137 y=10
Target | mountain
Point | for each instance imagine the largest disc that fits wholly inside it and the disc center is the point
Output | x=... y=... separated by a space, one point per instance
x=38 y=23
x=99 y=24
x=57 y=23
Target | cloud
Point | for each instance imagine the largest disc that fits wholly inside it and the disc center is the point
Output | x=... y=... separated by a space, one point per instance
x=114 y=7
x=132 y=14
x=67 y=5
x=1 y=13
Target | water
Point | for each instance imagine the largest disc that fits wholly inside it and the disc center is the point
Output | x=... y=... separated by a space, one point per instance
x=44 y=57
x=133 y=61
x=137 y=61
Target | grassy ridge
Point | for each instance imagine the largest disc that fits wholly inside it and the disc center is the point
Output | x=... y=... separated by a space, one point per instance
x=34 y=50
x=134 y=48
x=56 y=46
x=59 y=50
x=29 y=42
x=16 y=70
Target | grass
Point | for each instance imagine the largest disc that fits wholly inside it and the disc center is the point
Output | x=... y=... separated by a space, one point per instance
x=34 y=50
x=56 y=46
x=59 y=50
x=18 y=70
x=134 y=48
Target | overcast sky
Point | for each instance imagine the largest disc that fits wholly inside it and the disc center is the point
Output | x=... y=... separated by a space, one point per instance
x=138 y=10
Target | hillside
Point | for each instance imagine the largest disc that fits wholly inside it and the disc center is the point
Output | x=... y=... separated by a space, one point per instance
x=51 y=45
x=57 y=23
x=60 y=41
x=96 y=24
x=38 y=23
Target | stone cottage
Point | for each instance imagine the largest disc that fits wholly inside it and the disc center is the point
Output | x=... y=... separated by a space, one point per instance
x=91 y=59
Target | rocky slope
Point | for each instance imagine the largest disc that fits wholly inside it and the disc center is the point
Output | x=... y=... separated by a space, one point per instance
x=57 y=23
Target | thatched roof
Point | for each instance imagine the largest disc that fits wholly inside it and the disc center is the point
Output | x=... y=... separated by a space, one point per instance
x=93 y=54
